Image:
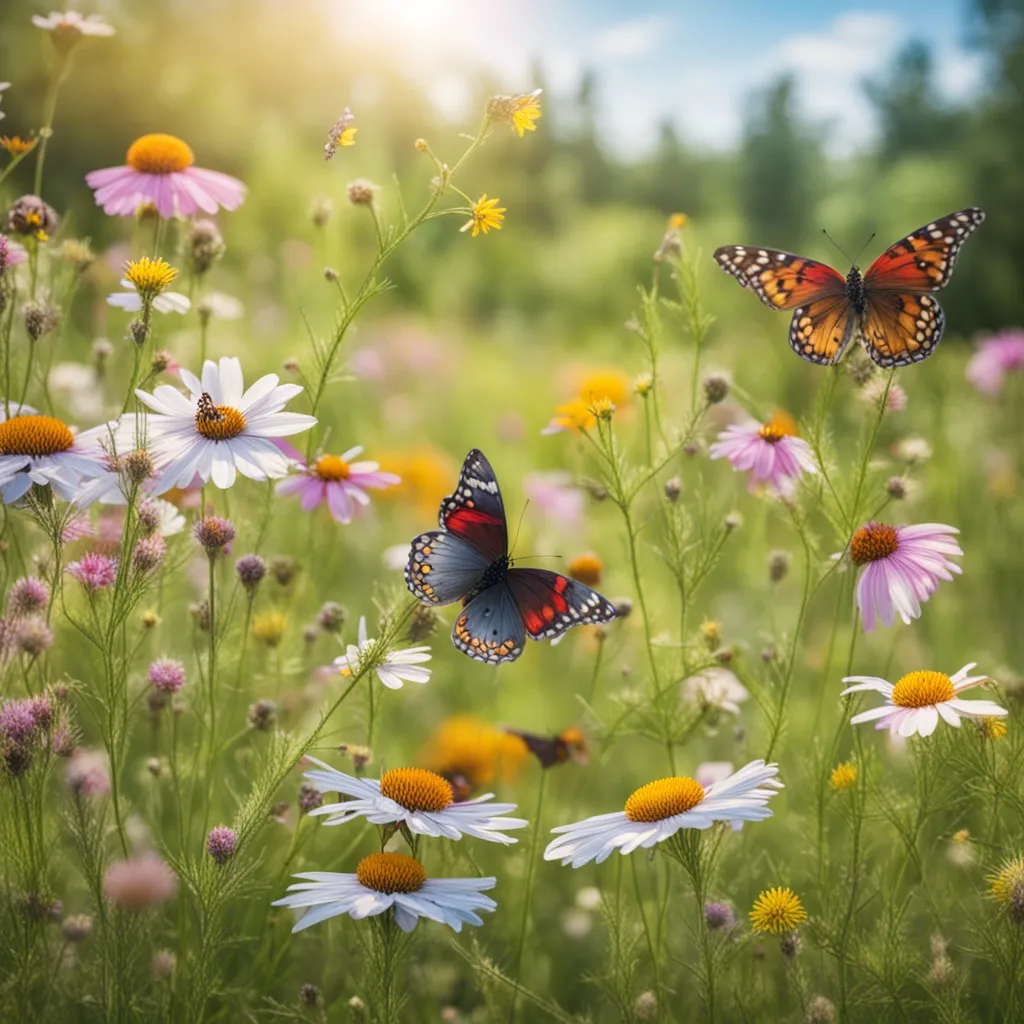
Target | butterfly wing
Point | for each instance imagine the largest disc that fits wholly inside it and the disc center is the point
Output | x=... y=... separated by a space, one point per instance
x=899 y=328
x=443 y=567
x=924 y=260
x=551 y=604
x=820 y=330
x=549 y=750
x=490 y=627
x=475 y=512
x=780 y=279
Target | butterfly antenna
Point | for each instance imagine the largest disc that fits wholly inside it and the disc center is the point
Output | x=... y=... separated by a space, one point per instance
x=519 y=526
x=842 y=251
x=866 y=244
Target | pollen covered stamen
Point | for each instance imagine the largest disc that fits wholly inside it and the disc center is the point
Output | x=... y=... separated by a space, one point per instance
x=159 y=154
x=218 y=422
x=332 y=467
x=921 y=689
x=417 y=789
x=873 y=542
x=664 y=798
x=391 y=872
x=35 y=436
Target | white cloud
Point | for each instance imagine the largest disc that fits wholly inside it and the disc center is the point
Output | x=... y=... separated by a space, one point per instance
x=628 y=40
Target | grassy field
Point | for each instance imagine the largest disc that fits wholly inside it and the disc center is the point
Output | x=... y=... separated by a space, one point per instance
x=168 y=668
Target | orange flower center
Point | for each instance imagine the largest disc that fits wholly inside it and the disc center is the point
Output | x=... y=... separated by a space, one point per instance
x=921 y=689
x=159 y=154
x=332 y=467
x=417 y=789
x=664 y=798
x=391 y=872
x=872 y=542
x=218 y=422
x=35 y=436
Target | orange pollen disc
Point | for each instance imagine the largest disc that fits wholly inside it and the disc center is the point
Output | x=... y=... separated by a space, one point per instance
x=417 y=789
x=872 y=542
x=664 y=798
x=35 y=436
x=222 y=424
x=921 y=689
x=391 y=872
x=332 y=467
x=771 y=433
x=159 y=154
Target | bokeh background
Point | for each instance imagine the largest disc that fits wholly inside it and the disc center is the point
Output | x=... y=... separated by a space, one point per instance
x=763 y=124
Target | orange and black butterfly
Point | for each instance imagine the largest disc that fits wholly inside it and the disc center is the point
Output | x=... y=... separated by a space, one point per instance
x=889 y=308
x=552 y=750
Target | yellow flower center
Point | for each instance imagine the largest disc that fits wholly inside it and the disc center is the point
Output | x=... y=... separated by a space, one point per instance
x=777 y=910
x=332 y=467
x=872 y=542
x=218 y=422
x=664 y=798
x=391 y=872
x=35 y=436
x=921 y=689
x=417 y=789
x=1006 y=883
x=149 y=276
x=771 y=433
x=159 y=154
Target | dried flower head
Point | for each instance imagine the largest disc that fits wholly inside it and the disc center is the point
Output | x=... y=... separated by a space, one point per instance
x=361 y=192
x=262 y=715
x=41 y=318
x=309 y=797
x=716 y=388
x=331 y=616
x=32 y=218
x=204 y=245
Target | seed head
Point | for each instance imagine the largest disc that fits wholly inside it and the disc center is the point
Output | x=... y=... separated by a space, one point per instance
x=361 y=192
x=205 y=246
x=331 y=616
x=32 y=636
x=422 y=623
x=716 y=388
x=137 y=465
x=673 y=488
x=283 y=569
x=309 y=995
x=646 y=1006
x=214 y=533
x=309 y=797
x=40 y=319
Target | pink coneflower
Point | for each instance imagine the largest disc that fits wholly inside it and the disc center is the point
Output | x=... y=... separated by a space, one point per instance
x=140 y=882
x=994 y=359
x=336 y=480
x=94 y=571
x=167 y=675
x=87 y=774
x=902 y=568
x=159 y=170
x=771 y=452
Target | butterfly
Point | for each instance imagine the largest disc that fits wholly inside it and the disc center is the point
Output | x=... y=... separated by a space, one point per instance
x=467 y=560
x=554 y=750
x=890 y=307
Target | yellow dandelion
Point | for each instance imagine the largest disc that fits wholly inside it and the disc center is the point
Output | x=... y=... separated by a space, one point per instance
x=575 y=414
x=526 y=112
x=149 y=276
x=487 y=214
x=677 y=221
x=992 y=728
x=843 y=776
x=269 y=628
x=16 y=145
x=777 y=910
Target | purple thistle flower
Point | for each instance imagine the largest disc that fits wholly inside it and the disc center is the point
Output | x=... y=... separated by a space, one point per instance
x=719 y=916
x=87 y=774
x=214 y=533
x=309 y=797
x=220 y=843
x=32 y=636
x=18 y=724
x=149 y=552
x=94 y=571
x=167 y=675
x=902 y=568
x=27 y=596
x=251 y=569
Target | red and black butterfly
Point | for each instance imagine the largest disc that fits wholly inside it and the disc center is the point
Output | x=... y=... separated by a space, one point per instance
x=889 y=307
x=467 y=560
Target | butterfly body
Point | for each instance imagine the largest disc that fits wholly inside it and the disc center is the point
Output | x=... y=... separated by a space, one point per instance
x=889 y=307
x=467 y=560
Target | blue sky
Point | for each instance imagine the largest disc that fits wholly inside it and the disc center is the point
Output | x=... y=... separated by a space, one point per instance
x=694 y=62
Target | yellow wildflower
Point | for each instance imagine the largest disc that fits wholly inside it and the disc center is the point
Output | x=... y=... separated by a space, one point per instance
x=777 y=910
x=487 y=214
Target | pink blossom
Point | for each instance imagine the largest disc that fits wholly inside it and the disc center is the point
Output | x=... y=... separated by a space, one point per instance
x=11 y=254
x=336 y=480
x=87 y=774
x=902 y=568
x=771 y=454
x=159 y=170
x=556 y=498
x=996 y=357
x=140 y=882
x=95 y=572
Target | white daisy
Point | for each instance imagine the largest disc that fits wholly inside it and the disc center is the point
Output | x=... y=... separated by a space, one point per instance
x=657 y=811
x=131 y=301
x=383 y=881
x=715 y=689
x=218 y=430
x=918 y=700
x=71 y=23
x=398 y=667
x=421 y=799
x=37 y=449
